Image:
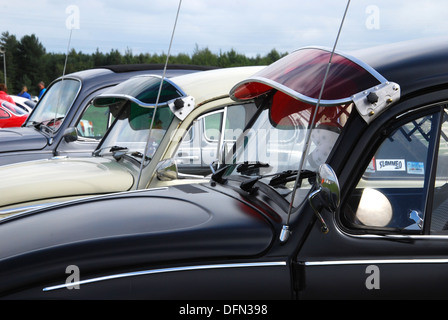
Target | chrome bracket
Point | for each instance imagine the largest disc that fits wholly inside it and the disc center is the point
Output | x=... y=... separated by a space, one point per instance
x=181 y=107
x=372 y=102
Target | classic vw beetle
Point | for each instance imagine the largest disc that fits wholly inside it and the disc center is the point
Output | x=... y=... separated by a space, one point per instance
x=66 y=106
x=148 y=138
x=355 y=209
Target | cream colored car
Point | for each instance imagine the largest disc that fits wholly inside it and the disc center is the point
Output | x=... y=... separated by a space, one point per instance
x=180 y=127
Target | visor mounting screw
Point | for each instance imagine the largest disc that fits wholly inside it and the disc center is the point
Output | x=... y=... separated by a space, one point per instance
x=178 y=104
x=372 y=97
x=371 y=113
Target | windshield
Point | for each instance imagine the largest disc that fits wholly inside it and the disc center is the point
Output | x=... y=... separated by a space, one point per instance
x=55 y=104
x=130 y=131
x=275 y=143
x=133 y=104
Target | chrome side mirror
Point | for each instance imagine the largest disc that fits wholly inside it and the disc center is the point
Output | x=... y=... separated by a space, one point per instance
x=167 y=170
x=328 y=182
x=70 y=134
x=327 y=195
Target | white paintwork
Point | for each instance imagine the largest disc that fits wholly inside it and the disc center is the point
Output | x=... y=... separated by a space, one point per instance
x=52 y=180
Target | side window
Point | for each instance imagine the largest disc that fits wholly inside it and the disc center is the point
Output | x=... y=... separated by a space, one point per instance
x=93 y=123
x=4 y=114
x=391 y=194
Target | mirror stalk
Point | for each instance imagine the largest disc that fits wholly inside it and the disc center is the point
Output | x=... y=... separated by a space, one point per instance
x=313 y=195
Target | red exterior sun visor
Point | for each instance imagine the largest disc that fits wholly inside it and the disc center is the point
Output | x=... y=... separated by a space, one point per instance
x=301 y=74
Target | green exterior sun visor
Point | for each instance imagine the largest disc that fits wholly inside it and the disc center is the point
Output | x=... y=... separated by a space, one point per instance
x=142 y=92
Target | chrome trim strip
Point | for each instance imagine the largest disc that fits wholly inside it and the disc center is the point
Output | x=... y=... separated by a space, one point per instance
x=383 y=261
x=398 y=237
x=35 y=209
x=166 y=270
x=132 y=99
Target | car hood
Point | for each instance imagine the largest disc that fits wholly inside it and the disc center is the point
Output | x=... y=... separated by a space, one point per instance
x=61 y=177
x=21 y=138
x=146 y=227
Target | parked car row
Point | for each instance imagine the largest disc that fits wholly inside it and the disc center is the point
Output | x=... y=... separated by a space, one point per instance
x=64 y=107
x=24 y=103
x=335 y=193
x=11 y=115
x=130 y=143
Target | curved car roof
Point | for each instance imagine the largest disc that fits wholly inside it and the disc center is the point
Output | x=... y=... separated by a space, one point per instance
x=415 y=65
x=203 y=86
x=116 y=73
x=217 y=82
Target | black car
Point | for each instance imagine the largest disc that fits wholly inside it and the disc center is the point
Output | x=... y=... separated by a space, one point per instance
x=344 y=200
x=62 y=122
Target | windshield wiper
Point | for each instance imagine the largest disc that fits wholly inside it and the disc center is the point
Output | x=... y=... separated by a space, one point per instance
x=278 y=178
x=290 y=175
x=138 y=154
x=112 y=149
x=248 y=166
x=46 y=123
x=241 y=168
x=117 y=148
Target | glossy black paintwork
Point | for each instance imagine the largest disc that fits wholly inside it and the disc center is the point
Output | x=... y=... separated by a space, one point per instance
x=24 y=144
x=16 y=139
x=218 y=223
x=164 y=227
x=416 y=65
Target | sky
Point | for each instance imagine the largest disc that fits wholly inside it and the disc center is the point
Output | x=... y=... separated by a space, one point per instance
x=250 y=27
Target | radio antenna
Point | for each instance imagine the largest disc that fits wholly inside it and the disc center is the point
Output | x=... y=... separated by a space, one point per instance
x=284 y=235
x=158 y=97
x=62 y=79
x=66 y=54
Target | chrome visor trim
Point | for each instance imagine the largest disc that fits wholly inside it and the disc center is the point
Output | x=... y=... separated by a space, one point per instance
x=278 y=86
x=135 y=100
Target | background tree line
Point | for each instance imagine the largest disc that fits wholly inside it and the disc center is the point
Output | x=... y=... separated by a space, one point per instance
x=28 y=62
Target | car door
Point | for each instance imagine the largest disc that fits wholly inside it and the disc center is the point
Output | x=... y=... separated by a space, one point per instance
x=389 y=239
